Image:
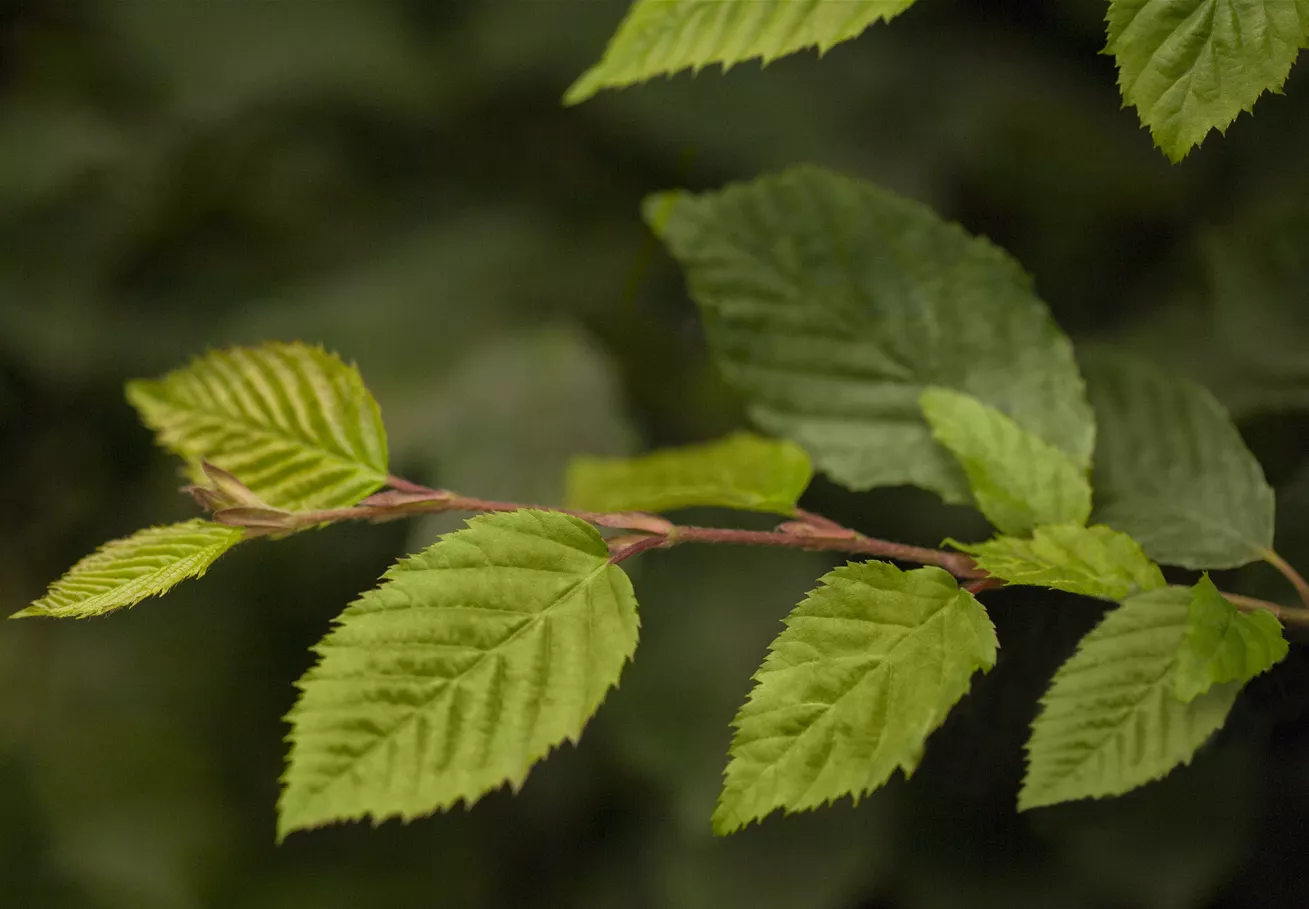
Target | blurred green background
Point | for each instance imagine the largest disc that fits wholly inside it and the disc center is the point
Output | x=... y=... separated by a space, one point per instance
x=397 y=179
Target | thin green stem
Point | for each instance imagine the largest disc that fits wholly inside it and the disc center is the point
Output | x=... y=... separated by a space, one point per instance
x=1297 y=580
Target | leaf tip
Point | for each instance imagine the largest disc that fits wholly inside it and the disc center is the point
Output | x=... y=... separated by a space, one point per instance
x=583 y=89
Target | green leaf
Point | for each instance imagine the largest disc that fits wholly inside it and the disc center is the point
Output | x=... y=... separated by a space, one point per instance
x=1018 y=479
x=868 y=667
x=1172 y=471
x=473 y=660
x=292 y=422
x=1092 y=561
x=124 y=572
x=660 y=37
x=1224 y=644
x=741 y=471
x=831 y=305
x=1110 y=721
x=1189 y=66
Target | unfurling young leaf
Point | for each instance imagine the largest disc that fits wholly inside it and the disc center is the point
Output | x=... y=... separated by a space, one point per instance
x=1111 y=721
x=1091 y=561
x=831 y=305
x=1018 y=479
x=741 y=471
x=1224 y=644
x=868 y=667
x=124 y=572
x=292 y=422
x=1190 y=66
x=472 y=660
x=660 y=37
x=1172 y=471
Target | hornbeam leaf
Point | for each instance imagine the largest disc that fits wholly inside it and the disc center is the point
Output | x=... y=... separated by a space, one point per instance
x=868 y=667
x=1091 y=561
x=1110 y=721
x=472 y=660
x=741 y=471
x=1172 y=471
x=831 y=305
x=1224 y=644
x=291 y=422
x=124 y=572
x=1190 y=66
x=1018 y=479
x=660 y=37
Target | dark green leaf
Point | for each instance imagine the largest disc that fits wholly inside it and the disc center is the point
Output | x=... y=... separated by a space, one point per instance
x=1172 y=471
x=831 y=305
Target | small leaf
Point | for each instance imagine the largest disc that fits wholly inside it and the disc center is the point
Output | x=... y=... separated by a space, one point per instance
x=1172 y=471
x=228 y=490
x=292 y=422
x=868 y=667
x=741 y=471
x=1018 y=479
x=1110 y=721
x=661 y=37
x=1224 y=644
x=472 y=660
x=1190 y=66
x=830 y=305
x=266 y=520
x=1091 y=561
x=124 y=572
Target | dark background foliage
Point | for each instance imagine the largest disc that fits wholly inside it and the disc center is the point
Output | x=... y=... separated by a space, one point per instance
x=396 y=179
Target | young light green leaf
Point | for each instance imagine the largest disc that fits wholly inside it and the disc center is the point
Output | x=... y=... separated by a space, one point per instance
x=868 y=667
x=831 y=305
x=1172 y=471
x=124 y=572
x=1110 y=721
x=472 y=660
x=1189 y=66
x=660 y=37
x=741 y=471
x=291 y=422
x=1091 y=561
x=1018 y=479
x=1224 y=644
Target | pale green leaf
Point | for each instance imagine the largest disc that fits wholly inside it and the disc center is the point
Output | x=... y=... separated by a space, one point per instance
x=124 y=572
x=291 y=421
x=741 y=471
x=1172 y=471
x=472 y=660
x=1018 y=480
x=831 y=305
x=868 y=667
x=1189 y=66
x=1091 y=561
x=1224 y=644
x=1110 y=721
x=661 y=37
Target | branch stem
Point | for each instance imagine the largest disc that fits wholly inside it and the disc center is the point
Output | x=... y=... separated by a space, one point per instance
x=812 y=532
